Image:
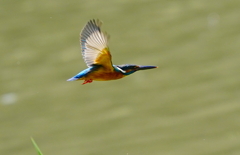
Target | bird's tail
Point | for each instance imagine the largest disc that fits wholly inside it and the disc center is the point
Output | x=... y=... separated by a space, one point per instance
x=73 y=79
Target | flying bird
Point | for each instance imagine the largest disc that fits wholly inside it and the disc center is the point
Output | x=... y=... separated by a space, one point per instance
x=96 y=54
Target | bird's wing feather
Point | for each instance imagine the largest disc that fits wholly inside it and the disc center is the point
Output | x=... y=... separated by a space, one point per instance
x=94 y=44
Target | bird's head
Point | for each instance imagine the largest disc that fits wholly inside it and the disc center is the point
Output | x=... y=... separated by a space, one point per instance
x=129 y=69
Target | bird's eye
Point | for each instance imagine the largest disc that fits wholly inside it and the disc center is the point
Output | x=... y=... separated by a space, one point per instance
x=135 y=67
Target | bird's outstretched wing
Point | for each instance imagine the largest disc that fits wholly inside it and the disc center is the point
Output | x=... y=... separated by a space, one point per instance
x=94 y=44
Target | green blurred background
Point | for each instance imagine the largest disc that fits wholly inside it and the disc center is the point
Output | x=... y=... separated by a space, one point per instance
x=190 y=105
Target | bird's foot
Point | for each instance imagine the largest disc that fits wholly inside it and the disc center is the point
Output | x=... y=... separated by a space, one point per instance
x=87 y=81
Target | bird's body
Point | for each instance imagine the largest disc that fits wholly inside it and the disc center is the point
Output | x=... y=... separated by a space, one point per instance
x=98 y=73
x=96 y=54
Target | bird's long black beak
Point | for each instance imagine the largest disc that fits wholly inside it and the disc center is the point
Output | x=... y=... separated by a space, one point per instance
x=146 y=67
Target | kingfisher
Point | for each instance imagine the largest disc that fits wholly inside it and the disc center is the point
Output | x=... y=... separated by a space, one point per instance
x=97 y=56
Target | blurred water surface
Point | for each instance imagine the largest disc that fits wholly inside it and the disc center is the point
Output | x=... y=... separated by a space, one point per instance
x=189 y=105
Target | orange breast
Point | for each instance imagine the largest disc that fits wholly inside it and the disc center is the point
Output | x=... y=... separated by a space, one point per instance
x=104 y=76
